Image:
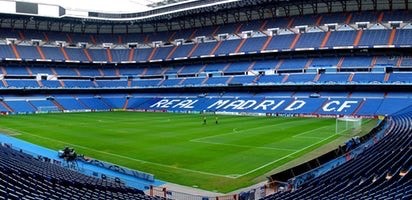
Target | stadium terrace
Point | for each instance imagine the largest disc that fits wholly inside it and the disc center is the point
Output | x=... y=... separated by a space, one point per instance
x=267 y=105
x=206 y=100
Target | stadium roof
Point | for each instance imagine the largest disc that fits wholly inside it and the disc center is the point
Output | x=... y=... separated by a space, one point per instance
x=109 y=6
x=130 y=16
x=109 y=10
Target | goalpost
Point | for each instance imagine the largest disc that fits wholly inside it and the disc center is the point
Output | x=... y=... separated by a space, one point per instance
x=48 y=109
x=348 y=125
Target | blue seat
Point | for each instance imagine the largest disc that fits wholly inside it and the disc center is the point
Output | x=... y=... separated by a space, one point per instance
x=28 y=52
x=341 y=38
x=310 y=40
x=26 y=177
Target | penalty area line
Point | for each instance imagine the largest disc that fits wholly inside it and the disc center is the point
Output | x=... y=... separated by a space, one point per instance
x=309 y=137
x=303 y=133
x=236 y=131
x=10 y=131
x=243 y=146
x=133 y=159
x=277 y=160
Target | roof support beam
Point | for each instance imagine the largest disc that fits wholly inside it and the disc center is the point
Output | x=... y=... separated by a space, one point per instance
x=375 y=5
x=328 y=5
x=315 y=8
x=83 y=28
x=98 y=27
x=248 y=15
x=182 y=24
x=344 y=5
x=192 y=22
x=25 y=22
x=37 y=24
x=72 y=26
x=261 y=12
x=273 y=11
x=359 y=4
x=202 y=21
x=225 y=17
x=49 y=25
x=286 y=9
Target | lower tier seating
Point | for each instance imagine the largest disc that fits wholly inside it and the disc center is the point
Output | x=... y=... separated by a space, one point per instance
x=368 y=104
x=382 y=171
x=25 y=177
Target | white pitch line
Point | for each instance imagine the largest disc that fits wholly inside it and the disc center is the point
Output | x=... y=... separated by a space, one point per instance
x=309 y=137
x=244 y=146
x=235 y=131
x=134 y=159
x=277 y=160
x=298 y=135
x=184 y=169
x=14 y=132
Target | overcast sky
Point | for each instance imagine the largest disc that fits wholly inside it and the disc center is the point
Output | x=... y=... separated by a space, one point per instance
x=101 y=5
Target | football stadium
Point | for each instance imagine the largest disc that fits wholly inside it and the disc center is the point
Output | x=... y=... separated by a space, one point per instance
x=205 y=99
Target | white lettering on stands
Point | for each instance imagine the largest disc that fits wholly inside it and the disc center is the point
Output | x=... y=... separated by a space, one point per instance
x=159 y=103
x=278 y=104
x=333 y=106
x=239 y=104
x=235 y=104
x=218 y=104
x=264 y=104
x=299 y=103
x=327 y=107
x=346 y=104
x=187 y=104
x=170 y=103
x=248 y=104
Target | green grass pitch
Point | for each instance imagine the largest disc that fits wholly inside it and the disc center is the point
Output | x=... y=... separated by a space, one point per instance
x=236 y=152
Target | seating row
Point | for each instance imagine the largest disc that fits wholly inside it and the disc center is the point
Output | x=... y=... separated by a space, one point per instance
x=382 y=171
x=231 y=28
x=25 y=177
x=238 y=80
x=313 y=40
x=331 y=106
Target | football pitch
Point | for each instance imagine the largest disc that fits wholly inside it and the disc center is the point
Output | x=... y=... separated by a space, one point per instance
x=179 y=148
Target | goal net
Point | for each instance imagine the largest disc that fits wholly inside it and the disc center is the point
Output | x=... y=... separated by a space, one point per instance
x=48 y=109
x=348 y=125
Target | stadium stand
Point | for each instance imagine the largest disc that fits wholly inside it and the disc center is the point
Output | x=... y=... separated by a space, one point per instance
x=25 y=177
x=365 y=104
x=281 y=41
x=382 y=171
x=343 y=63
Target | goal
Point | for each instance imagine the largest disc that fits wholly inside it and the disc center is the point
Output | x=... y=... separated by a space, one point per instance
x=348 y=125
x=47 y=109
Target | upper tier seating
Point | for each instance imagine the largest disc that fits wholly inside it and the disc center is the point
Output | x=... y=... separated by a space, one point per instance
x=255 y=25
x=258 y=44
x=297 y=64
x=258 y=72
x=347 y=34
x=341 y=38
